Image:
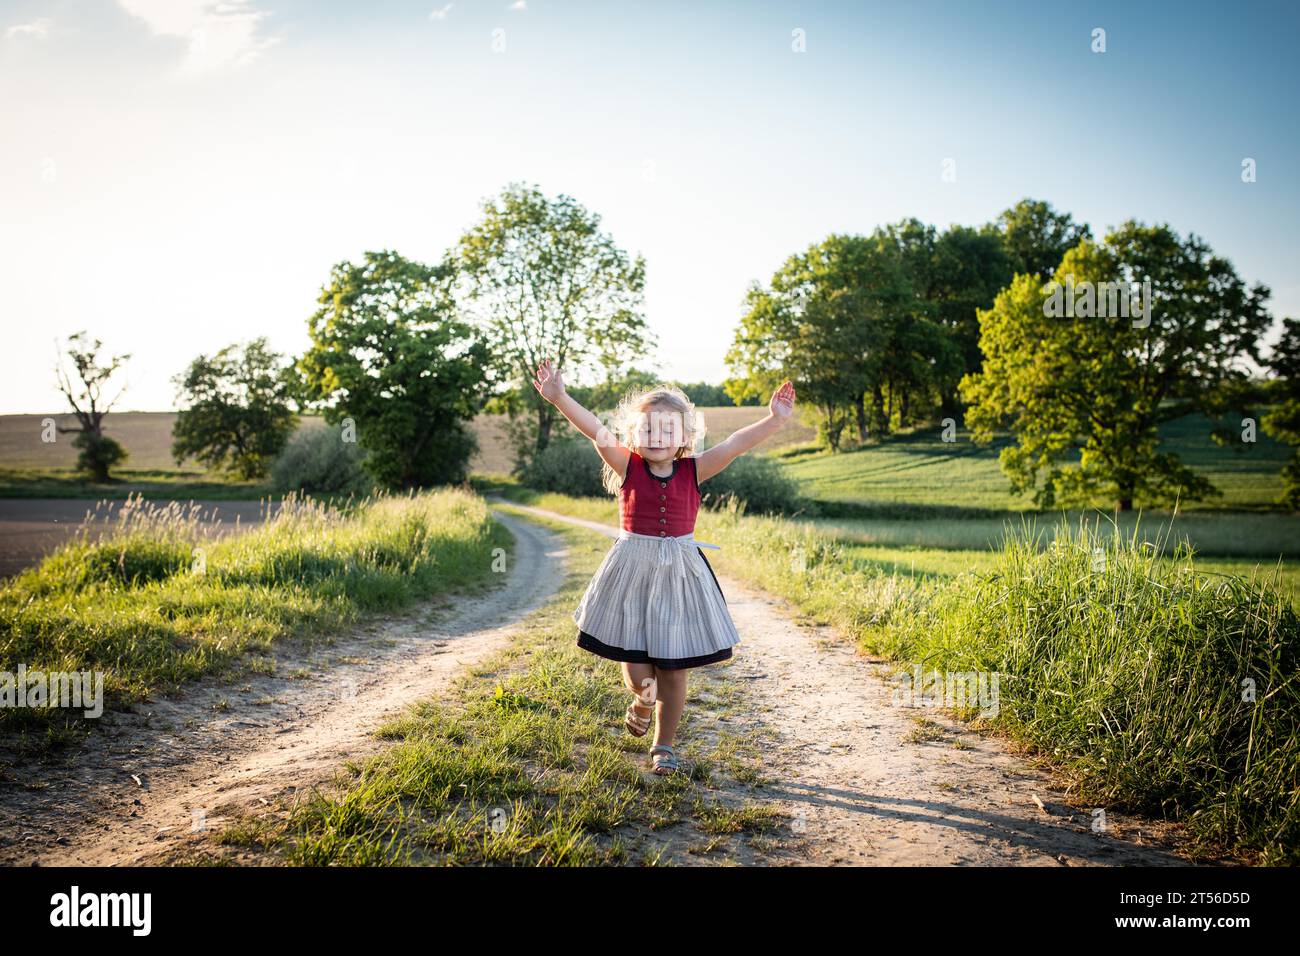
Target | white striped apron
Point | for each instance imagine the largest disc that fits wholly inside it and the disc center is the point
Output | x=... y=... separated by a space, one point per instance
x=657 y=594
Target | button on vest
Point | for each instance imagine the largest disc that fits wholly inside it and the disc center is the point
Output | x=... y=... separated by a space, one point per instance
x=650 y=503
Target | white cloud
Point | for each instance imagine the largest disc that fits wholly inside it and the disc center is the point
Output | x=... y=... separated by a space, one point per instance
x=37 y=28
x=520 y=5
x=220 y=32
x=441 y=14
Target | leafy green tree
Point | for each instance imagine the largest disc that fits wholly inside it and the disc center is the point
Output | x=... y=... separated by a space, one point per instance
x=903 y=353
x=741 y=390
x=390 y=357
x=1283 y=421
x=1083 y=395
x=1036 y=237
x=235 y=414
x=831 y=320
x=971 y=266
x=952 y=275
x=836 y=348
x=919 y=361
x=543 y=281
x=98 y=453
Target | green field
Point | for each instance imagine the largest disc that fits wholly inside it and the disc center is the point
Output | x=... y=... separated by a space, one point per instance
x=1266 y=537
x=912 y=498
x=913 y=474
x=1254 y=547
x=961 y=479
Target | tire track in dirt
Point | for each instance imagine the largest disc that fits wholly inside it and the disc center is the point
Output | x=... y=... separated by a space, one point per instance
x=216 y=749
x=865 y=788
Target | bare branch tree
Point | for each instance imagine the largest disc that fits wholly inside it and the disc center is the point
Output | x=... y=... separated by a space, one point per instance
x=86 y=396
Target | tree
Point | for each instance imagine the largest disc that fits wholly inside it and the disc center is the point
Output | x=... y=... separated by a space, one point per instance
x=918 y=362
x=741 y=391
x=542 y=281
x=390 y=358
x=1283 y=421
x=970 y=268
x=1100 y=385
x=98 y=452
x=835 y=348
x=1036 y=237
x=236 y=415
x=832 y=321
x=706 y=393
x=952 y=276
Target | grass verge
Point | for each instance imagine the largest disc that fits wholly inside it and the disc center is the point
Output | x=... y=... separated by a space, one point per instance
x=153 y=604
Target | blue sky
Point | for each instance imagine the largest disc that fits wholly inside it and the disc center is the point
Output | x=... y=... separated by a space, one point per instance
x=177 y=175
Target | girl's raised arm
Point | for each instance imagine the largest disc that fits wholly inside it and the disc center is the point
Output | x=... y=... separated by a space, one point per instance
x=712 y=460
x=550 y=385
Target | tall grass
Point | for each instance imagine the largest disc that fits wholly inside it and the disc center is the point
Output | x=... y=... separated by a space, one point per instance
x=1163 y=688
x=1160 y=687
x=154 y=603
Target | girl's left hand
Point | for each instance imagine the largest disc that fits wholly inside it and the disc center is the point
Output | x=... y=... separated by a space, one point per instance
x=782 y=403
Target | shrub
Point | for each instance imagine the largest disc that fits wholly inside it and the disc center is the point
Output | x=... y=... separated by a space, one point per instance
x=568 y=465
x=757 y=483
x=97 y=454
x=318 y=461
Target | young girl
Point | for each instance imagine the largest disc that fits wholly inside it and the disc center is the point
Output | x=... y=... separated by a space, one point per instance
x=654 y=603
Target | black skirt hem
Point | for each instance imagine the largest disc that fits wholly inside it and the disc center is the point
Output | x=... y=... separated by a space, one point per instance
x=625 y=655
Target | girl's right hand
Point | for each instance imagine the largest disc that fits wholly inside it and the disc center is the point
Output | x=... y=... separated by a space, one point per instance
x=548 y=382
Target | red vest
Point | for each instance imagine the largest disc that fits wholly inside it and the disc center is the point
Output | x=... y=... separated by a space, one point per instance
x=663 y=507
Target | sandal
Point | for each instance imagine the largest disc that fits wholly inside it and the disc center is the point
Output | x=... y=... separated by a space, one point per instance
x=636 y=724
x=665 y=760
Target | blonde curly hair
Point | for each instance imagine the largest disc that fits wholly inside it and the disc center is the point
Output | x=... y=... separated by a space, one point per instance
x=626 y=419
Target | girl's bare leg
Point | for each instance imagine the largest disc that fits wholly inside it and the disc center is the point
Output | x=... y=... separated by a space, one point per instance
x=640 y=680
x=672 y=701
